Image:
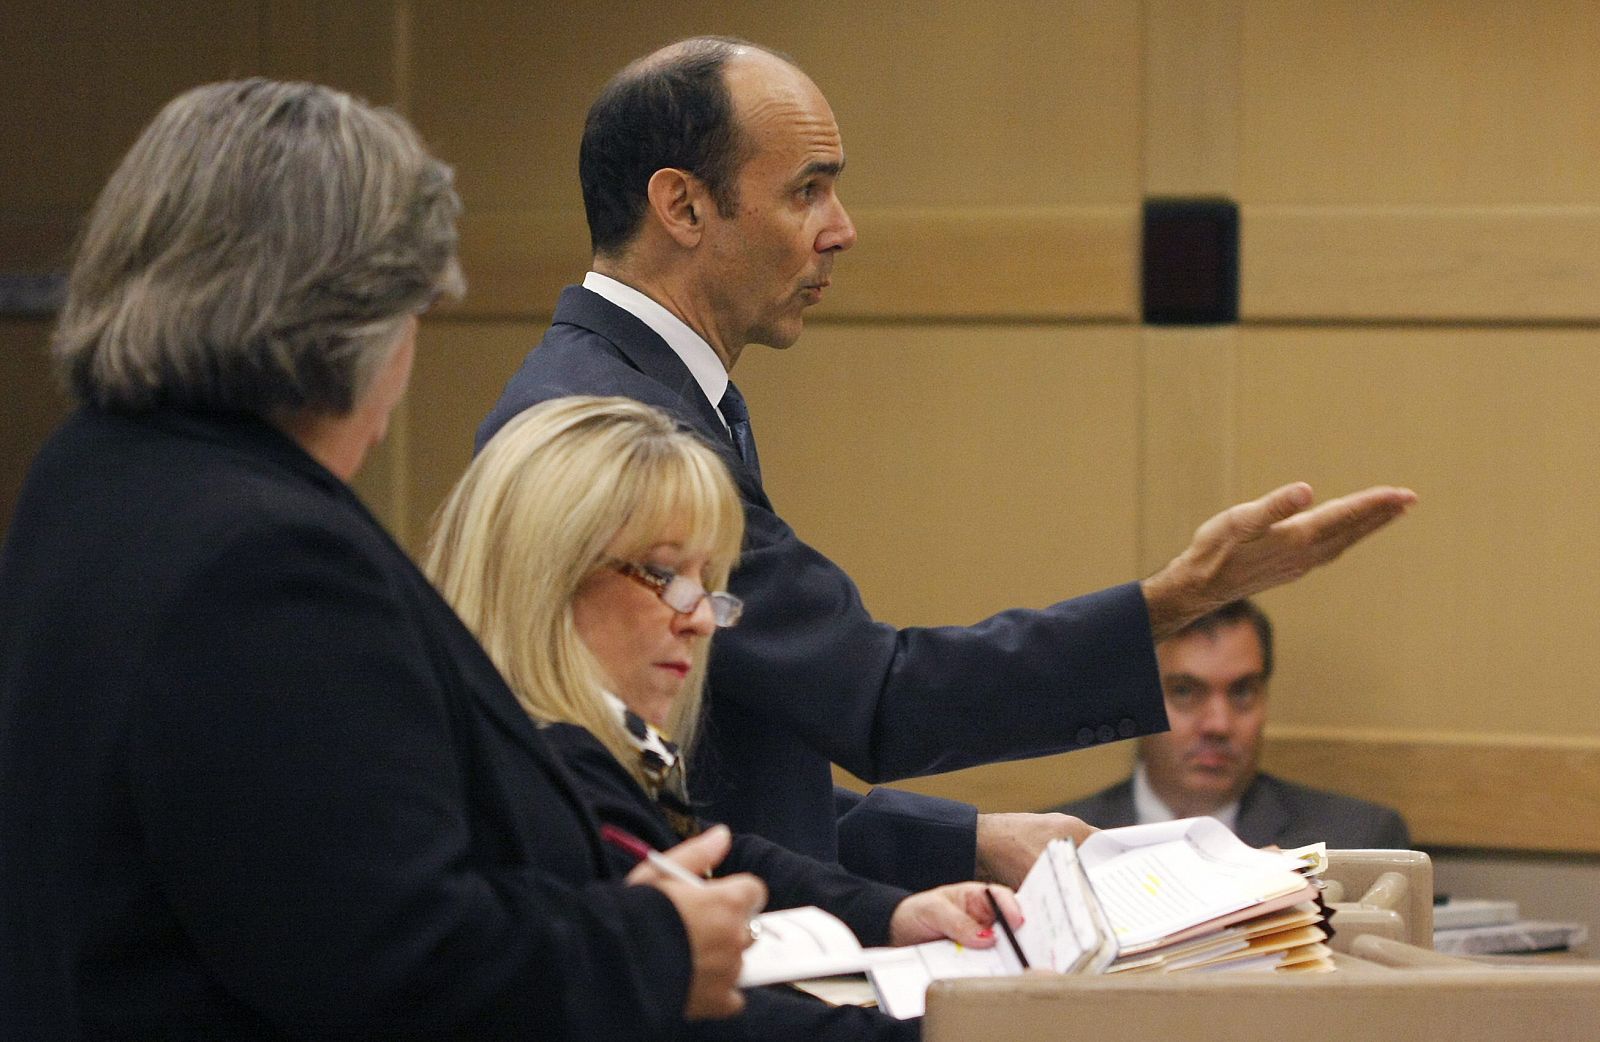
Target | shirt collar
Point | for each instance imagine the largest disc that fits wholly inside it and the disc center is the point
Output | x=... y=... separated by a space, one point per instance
x=702 y=362
x=639 y=731
x=1149 y=808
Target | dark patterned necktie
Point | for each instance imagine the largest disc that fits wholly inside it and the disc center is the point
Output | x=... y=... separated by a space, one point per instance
x=738 y=417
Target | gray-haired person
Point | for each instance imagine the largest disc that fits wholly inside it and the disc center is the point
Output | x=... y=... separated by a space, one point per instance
x=256 y=779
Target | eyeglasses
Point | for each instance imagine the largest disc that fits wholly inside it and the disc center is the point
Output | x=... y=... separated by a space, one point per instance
x=681 y=593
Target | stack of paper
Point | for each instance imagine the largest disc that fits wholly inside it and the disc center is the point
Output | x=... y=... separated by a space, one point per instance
x=1459 y=913
x=1524 y=935
x=1189 y=895
x=1483 y=927
x=1179 y=896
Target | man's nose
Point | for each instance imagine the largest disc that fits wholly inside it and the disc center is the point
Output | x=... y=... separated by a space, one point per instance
x=1216 y=716
x=840 y=232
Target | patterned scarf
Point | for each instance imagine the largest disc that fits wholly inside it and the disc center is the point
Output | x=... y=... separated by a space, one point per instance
x=663 y=768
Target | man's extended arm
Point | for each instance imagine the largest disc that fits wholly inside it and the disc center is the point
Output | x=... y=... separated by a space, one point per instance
x=1261 y=544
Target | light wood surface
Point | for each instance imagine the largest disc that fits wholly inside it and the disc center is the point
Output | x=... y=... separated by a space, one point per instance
x=944 y=510
x=1190 y=432
x=1506 y=266
x=1494 y=792
x=1433 y=103
x=1191 y=101
x=1013 y=264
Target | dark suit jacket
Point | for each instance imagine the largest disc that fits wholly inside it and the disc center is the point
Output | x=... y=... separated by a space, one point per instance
x=808 y=676
x=257 y=781
x=1273 y=811
x=793 y=880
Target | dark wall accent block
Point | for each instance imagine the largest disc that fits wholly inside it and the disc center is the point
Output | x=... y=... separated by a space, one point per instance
x=1191 y=262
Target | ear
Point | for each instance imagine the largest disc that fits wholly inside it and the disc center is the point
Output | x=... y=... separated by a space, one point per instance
x=679 y=202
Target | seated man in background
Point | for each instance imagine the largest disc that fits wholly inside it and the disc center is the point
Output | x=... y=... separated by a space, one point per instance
x=1214 y=672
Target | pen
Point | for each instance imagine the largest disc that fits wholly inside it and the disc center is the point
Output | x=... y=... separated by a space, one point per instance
x=1005 y=927
x=639 y=850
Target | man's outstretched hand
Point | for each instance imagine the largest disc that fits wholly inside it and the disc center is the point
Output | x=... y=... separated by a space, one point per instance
x=1261 y=544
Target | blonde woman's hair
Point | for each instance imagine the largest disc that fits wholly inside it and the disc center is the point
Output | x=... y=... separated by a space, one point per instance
x=557 y=493
x=257 y=250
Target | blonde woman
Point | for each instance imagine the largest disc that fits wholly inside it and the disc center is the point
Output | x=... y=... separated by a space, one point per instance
x=588 y=547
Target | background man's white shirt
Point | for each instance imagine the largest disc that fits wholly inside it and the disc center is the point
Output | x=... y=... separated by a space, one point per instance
x=1149 y=808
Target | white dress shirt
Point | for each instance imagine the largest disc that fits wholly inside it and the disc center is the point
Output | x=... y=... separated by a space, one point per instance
x=1149 y=808
x=697 y=355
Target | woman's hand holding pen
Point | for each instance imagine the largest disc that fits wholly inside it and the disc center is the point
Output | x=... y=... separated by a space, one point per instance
x=716 y=915
x=960 y=911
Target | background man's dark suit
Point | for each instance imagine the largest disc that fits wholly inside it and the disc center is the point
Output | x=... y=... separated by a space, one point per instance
x=1273 y=811
x=807 y=676
x=257 y=780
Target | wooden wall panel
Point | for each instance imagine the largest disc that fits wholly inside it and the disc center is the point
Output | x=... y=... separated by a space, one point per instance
x=1058 y=264
x=33 y=404
x=1475 y=613
x=940 y=104
x=81 y=80
x=1489 y=792
x=1419 y=162
x=1418 y=290
x=460 y=370
x=1437 y=102
x=1024 y=785
x=966 y=209
x=958 y=471
x=1019 y=264
x=1187 y=455
x=1421 y=264
x=364 y=48
x=1191 y=97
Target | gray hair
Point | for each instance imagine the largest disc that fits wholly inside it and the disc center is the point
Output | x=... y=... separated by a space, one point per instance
x=256 y=250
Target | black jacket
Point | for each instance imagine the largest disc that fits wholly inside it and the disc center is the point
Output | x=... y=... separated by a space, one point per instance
x=772 y=1014
x=257 y=780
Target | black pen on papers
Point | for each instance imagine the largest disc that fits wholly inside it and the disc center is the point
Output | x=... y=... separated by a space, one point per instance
x=1005 y=927
x=639 y=850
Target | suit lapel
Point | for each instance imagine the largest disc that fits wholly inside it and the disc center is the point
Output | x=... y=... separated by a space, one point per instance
x=644 y=350
x=1262 y=815
x=1119 y=810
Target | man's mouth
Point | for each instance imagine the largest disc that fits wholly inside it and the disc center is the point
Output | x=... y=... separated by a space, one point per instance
x=1211 y=759
x=812 y=291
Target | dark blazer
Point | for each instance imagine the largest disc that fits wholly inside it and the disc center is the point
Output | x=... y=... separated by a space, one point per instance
x=257 y=781
x=793 y=880
x=1273 y=811
x=808 y=676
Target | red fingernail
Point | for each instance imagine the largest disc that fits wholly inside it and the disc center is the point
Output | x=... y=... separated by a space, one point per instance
x=986 y=933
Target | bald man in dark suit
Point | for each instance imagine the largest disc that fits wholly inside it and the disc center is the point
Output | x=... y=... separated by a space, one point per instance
x=710 y=173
